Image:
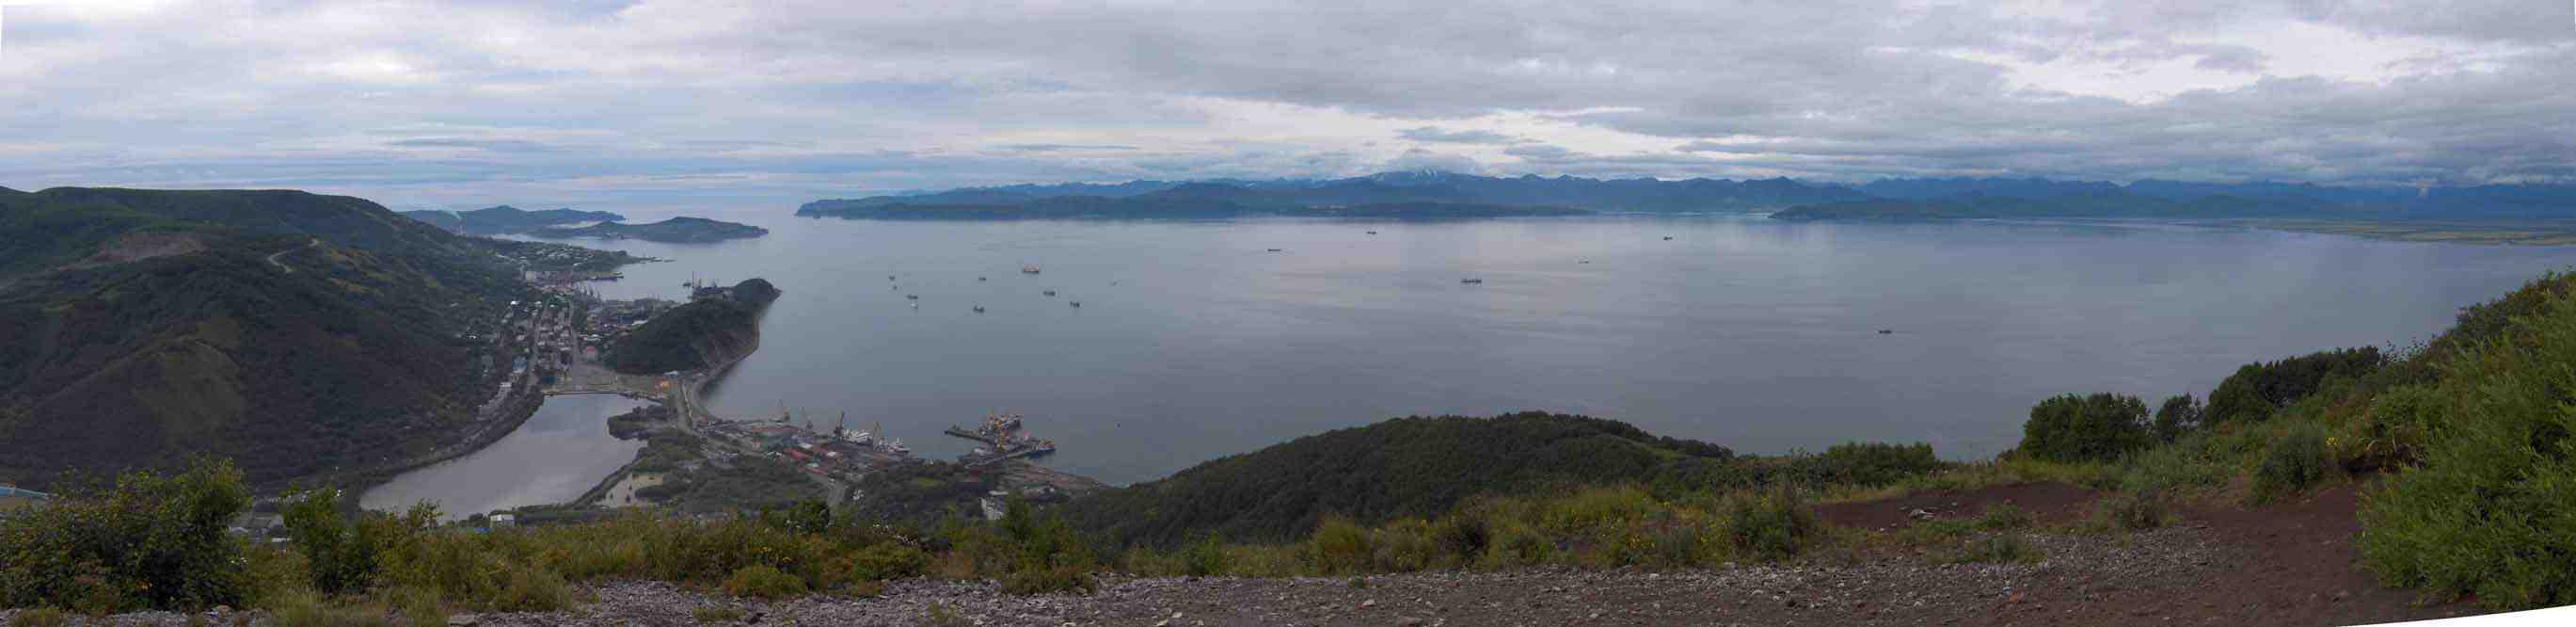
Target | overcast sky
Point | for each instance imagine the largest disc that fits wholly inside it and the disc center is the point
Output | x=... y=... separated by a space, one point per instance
x=459 y=104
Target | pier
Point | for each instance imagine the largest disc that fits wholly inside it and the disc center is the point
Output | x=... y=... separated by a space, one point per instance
x=1007 y=437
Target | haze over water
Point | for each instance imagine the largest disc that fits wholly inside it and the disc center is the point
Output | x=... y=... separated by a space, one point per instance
x=1194 y=342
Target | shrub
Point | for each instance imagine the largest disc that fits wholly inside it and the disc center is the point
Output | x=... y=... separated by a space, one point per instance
x=1402 y=546
x=2400 y=423
x=151 y=541
x=2486 y=512
x=2004 y=516
x=2130 y=511
x=1993 y=549
x=1462 y=535
x=2295 y=461
x=1338 y=547
x=2097 y=427
x=342 y=555
x=713 y=614
x=1517 y=544
x=941 y=614
x=1204 y=558
x=39 y=617
x=2258 y=390
x=1868 y=464
x=1050 y=580
x=763 y=582
x=2177 y=415
x=888 y=560
x=1771 y=526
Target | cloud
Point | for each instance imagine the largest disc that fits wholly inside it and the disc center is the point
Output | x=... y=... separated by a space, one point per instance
x=422 y=99
x=1434 y=134
x=1061 y=147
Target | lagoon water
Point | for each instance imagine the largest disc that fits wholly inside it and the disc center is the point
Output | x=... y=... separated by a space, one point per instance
x=1194 y=341
x=556 y=455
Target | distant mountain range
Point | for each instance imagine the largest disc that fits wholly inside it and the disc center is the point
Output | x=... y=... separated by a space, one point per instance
x=1445 y=194
x=507 y=219
x=684 y=230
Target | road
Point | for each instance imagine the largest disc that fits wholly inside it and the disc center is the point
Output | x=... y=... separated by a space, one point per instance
x=272 y=257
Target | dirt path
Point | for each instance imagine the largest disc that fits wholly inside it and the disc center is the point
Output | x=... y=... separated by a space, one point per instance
x=272 y=257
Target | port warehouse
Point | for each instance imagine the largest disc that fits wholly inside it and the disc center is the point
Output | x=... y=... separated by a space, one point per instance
x=12 y=498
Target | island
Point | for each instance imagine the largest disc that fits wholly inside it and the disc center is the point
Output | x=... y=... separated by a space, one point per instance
x=681 y=230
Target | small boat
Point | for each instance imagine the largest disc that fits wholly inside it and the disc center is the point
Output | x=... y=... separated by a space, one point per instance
x=1372 y=232
x=1886 y=331
x=1668 y=238
x=979 y=278
x=1029 y=269
x=1077 y=303
x=979 y=309
x=916 y=305
x=1472 y=281
x=889 y=277
x=1050 y=292
x=1274 y=250
x=912 y=297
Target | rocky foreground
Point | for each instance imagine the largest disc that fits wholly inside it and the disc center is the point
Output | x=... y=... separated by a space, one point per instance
x=2289 y=564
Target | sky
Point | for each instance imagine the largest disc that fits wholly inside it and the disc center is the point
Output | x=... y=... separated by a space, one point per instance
x=597 y=102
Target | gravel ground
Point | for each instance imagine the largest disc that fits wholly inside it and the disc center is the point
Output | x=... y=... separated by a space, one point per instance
x=2284 y=564
x=1889 y=591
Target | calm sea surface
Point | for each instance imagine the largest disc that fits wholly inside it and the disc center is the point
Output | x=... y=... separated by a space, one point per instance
x=556 y=455
x=1195 y=341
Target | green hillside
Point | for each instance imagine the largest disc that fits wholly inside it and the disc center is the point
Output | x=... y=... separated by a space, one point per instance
x=296 y=333
x=706 y=332
x=1416 y=466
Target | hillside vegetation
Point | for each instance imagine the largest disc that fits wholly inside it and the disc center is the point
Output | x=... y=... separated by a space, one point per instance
x=293 y=332
x=1423 y=466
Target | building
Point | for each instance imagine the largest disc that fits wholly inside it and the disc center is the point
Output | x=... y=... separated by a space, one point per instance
x=13 y=498
x=504 y=520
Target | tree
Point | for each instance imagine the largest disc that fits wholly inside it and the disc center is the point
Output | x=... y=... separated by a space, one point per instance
x=2097 y=427
x=2178 y=414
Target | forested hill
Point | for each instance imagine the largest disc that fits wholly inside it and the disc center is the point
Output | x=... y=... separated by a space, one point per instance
x=295 y=333
x=708 y=331
x=1417 y=466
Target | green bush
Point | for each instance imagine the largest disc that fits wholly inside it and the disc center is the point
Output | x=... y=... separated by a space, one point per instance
x=2004 y=516
x=714 y=614
x=2258 y=390
x=1204 y=558
x=1867 y=464
x=2401 y=422
x=1338 y=547
x=1992 y=549
x=2177 y=415
x=39 y=617
x=151 y=541
x=763 y=582
x=2131 y=511
x=1462 y=535
x=1769 y=526
x=1050 y=580
x=2096 y=427
x=2486 y=513
x=2295 y=461
x=888 y=560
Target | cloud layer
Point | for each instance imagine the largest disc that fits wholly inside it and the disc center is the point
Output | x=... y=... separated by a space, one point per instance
x=453 y=104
